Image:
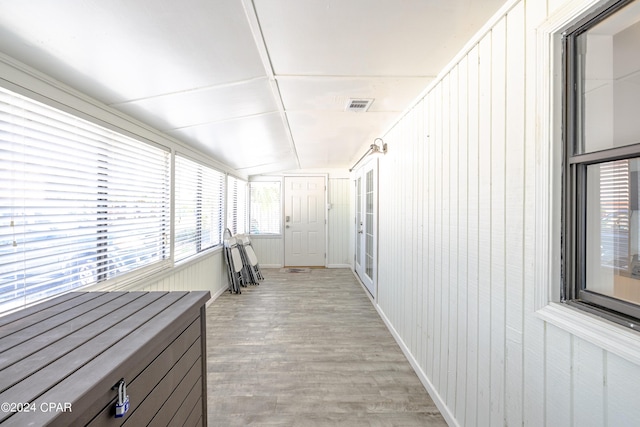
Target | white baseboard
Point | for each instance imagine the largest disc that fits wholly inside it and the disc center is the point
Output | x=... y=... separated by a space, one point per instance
x=215 y=296
x=442 y=407
x=328 y=265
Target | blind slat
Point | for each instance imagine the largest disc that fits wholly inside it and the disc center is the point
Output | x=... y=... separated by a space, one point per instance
x=265 y=207
x=199 y=207
x=79 y=203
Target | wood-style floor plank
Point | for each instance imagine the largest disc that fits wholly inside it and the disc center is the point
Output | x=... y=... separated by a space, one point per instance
x=308 y=349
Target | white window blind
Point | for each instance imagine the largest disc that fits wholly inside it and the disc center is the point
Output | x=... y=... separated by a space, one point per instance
x=614 y=213
x=79 y=204
x=199 y=202
x=237 y=202
x=265 y=207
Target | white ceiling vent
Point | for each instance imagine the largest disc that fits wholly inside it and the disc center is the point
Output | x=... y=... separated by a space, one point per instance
x=358 y=105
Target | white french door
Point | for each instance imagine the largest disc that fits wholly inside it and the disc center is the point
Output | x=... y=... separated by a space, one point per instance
x=366 y=187
x=304 y=221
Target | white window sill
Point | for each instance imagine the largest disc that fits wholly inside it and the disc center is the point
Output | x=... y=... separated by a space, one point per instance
x=610 y=336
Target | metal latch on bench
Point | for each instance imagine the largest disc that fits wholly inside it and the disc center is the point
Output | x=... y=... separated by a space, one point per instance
x=122 y=404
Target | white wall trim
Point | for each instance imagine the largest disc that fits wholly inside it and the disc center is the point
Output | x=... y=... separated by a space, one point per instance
x=609 y=336
x=546 y=189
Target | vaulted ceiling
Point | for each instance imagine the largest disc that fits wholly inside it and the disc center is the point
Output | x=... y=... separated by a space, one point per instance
x=260 y=85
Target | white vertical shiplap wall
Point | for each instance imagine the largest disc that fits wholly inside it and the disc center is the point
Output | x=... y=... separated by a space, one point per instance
x=457 y=245
x=203 y=274
x=338 y=223
x=270 y=250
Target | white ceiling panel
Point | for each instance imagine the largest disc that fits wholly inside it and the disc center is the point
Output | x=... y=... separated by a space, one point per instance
x=202 y=106
x=368 y=38
x=260 y=85
x=243 y=143
x=333 y=93
x=121 y=50
x=334 y=137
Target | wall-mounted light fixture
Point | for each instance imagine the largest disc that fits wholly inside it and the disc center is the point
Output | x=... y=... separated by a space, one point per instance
x=378 y=147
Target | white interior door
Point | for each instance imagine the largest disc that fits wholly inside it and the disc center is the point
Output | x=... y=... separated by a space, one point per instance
x=304 y=221
x=366 y=187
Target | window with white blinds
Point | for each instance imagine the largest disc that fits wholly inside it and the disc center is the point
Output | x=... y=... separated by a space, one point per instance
x=266 y=207
x=199 y=205
x=79 y=203
x=237 y=205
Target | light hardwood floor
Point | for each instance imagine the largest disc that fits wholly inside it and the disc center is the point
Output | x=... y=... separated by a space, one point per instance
x=308 y=349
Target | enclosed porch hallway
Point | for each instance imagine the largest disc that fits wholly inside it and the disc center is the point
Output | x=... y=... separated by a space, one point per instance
x=308 y=349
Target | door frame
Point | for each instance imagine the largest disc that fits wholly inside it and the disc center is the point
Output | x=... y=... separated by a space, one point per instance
x=369 y=282
x=326 y=212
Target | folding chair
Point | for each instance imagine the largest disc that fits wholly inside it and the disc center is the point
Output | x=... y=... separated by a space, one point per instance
x=234 y=263
x=251 y=260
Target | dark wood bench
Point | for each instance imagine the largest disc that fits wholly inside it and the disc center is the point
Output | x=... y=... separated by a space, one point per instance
x=60 y=360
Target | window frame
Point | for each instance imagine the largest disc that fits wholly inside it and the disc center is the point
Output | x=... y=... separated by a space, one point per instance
x=573 y=290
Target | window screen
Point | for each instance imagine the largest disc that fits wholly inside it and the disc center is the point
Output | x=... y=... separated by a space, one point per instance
x=199 y=205
x=237 y=205
x=79 y=203
x=265 y=207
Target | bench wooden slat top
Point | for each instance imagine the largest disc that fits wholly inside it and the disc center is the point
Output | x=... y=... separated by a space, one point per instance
x=75 y=336
x=35 y=316
x=69 y=350
x=44 y=306
x=41 y=333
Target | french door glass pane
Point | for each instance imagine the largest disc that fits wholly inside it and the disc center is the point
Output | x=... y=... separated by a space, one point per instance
x=369 y=224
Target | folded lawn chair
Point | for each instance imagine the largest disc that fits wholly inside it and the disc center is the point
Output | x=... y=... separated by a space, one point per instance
x=249 y=258
x=233 y=259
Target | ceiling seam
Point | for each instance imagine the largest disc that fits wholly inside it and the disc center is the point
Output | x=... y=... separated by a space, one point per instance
x=192 y=90
x=224 y=120
x=350 y=76
x=258 y=36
